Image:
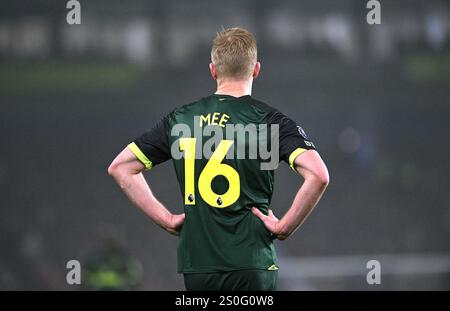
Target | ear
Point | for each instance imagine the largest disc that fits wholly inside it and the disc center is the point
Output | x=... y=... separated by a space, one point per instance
x=212 y=69
x=256 y=70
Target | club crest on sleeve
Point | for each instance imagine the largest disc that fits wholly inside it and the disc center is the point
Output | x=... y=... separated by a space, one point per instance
x=301 y=132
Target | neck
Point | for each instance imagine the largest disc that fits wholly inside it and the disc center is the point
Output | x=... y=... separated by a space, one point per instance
x=235 y=88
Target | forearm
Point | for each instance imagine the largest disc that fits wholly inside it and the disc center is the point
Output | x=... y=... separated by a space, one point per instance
x=304 y=202
x=137 y=190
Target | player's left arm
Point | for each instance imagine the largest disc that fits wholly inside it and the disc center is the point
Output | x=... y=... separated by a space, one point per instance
x=127 y=170
x=148 y=150
x=309 y=164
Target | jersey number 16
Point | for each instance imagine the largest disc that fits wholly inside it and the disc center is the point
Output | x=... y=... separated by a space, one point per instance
x=213 y=168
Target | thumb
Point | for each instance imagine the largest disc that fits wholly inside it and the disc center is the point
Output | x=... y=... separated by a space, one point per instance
x=271 y=215
x=179 y=218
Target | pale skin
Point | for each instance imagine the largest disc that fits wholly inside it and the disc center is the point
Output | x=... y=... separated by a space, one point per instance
x=127 y=170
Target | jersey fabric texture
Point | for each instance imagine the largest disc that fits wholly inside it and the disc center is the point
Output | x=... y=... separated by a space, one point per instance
x=219 y=232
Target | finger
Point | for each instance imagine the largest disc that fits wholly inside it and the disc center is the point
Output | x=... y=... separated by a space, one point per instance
x=180 y=223
x=271 y=215
x=179 y=218
x=174 y=232
x=258 y=213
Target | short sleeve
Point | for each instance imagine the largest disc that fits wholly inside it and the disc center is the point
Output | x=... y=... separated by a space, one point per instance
x=152 y=147
x=293 y=140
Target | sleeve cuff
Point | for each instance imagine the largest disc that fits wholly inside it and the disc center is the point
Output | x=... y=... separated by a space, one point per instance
x=140 y=155
x=294 y=155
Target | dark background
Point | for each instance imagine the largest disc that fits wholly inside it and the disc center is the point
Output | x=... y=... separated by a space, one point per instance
x=374 y=98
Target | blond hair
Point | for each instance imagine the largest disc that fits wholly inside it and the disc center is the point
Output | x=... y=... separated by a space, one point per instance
x=234 y=53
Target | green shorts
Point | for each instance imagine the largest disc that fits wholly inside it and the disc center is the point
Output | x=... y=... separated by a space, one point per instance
x=239 y=280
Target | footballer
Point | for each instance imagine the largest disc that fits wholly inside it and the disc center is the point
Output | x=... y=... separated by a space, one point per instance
x=227 y=229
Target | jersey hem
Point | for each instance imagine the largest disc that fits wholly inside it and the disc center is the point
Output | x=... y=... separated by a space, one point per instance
x=215 y=270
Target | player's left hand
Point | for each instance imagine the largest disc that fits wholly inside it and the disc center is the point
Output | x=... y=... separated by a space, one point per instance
x=175 y=224
x=271 y=222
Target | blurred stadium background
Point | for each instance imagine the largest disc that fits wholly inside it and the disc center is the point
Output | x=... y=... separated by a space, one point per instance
x=374 y=98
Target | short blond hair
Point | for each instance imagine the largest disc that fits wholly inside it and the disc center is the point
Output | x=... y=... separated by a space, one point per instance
x=234 y=53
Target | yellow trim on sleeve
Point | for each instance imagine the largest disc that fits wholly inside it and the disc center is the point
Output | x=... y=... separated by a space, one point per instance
x=140 y=155
x=294 y=155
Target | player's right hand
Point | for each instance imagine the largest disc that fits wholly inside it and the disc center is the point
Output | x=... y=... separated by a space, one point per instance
x=271 y=222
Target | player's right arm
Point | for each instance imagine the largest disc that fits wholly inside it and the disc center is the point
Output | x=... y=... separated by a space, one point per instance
x=299 y=151
x=309 y=165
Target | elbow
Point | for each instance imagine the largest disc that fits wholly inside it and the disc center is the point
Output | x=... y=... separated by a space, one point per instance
x=323 y=178
x=116 y=172
x=112 y=170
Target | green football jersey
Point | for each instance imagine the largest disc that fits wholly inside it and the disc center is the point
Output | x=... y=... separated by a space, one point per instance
x=221 y=177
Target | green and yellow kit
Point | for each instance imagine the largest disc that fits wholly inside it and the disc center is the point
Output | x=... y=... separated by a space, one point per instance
x=220 y=234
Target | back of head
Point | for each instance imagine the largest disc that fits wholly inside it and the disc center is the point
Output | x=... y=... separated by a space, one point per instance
x=234 y=54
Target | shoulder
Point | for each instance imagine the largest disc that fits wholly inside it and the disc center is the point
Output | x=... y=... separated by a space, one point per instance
x=181 y=111
x=261 y=105
x=274 y=116
x=188 y=107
